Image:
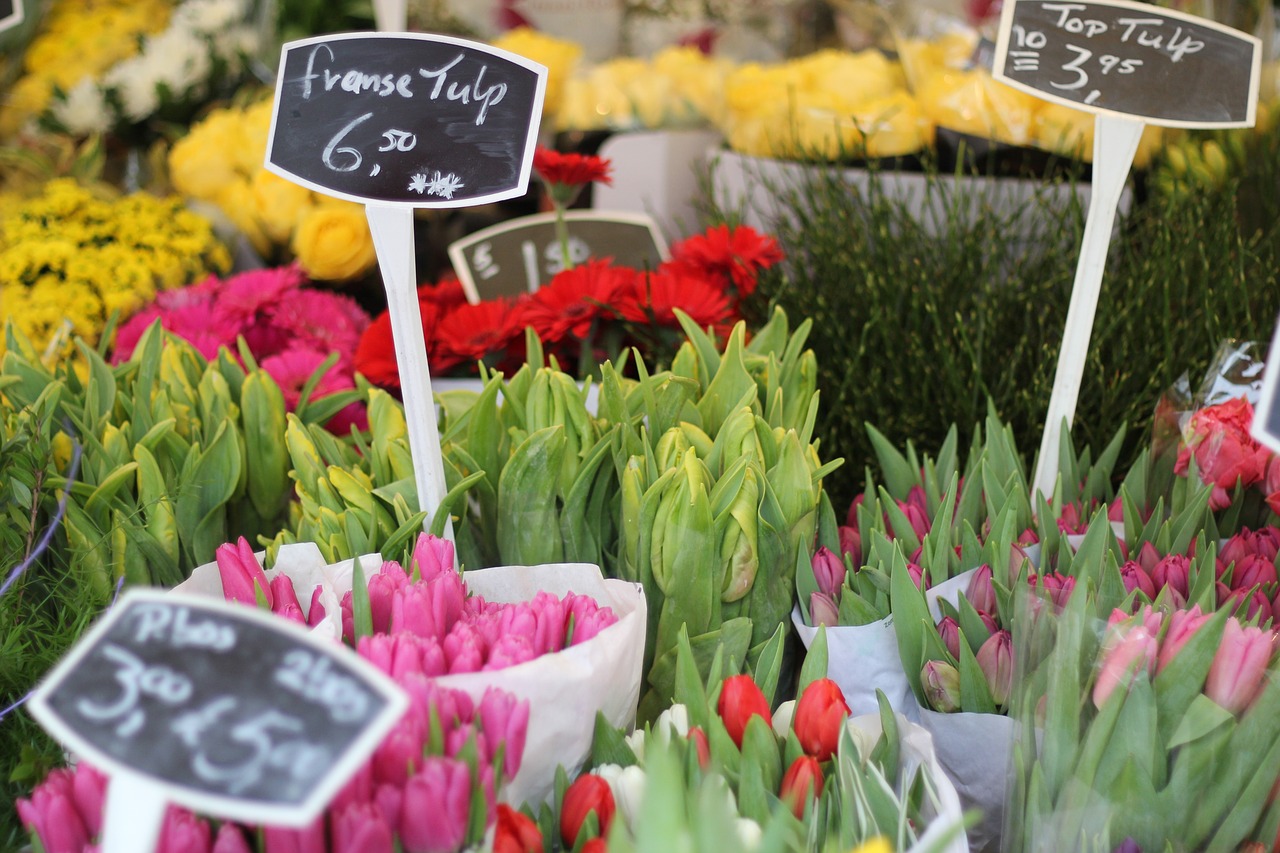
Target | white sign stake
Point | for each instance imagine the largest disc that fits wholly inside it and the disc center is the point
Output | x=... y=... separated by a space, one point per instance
x=392 y=229
x=134 y=813
x=1115 y=141
x=391 y=16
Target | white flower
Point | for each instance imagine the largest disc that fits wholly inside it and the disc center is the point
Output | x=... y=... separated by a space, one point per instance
x=675 y=718
x=209 y=16
x=635 y=740
x=782 y=718
x=627 y=785
x=84 y=110
x=749 y=834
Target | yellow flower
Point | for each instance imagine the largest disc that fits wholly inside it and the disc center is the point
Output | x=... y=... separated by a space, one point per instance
x=559 y=55
x=973 y=102
x=333 y=243
x=879 y=844
x=235 y=199
x=203 y=161
x=278 y=204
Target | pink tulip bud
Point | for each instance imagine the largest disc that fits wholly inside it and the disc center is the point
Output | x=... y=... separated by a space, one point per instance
x=851 y=517
x=382 y=591
x=51 y=814
x=1257 y=605
x=1069 y=520
x=828 y=570
x=433 y=556
x=359 y=788
x=1129 y=651
x=1148 y=557
x=241 y=573
x=389 y=800
x=918 y=576
x=400 y=752
x=464 y=649
x=1173 y=570
x=1253 y=570
x=89 y=791
x=917 y=517
x=437 y=807
x=510 y=650
x=941 y=683
x=284 y=601
x=309 y=839
x=949 y=631
x=1266 y=540
x=1236 y=675
x=981 y=592
x=549 y=614
x=411 y=611
x=378 y=649
x=823 y=610
x=850 y=544
x=315 y=613
x=592 y=624
x=1134 y=577
x=505 y=720
x=183 y=832
x=230 y=839
x=1235 y=549
x=995 y=659
x=1183 y=625
x=1056 y=586
x=361 y=828
x=988 y=622
x=1017 y=559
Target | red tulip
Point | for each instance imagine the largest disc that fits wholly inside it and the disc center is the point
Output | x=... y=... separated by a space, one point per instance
x=981 y=593
x=1135 y=577
x=595 y=845
x=701 y=745
x=740 y=700
x=819 y=718
x=828 y=570
x=515 y=832
x=587 y=795
x=1173 y=571
x=1252 y=571
x=801 y=783
x=1237 y=673
x=995 y=659
x=949 y=631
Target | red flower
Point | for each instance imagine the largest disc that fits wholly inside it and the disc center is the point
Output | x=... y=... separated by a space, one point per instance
x=574 y=298
x=801 y=783
x=655 y=298
x=820 y=716
x=471 y=332
x=376 y=355
x=571 y=170
x=515 y=832
x=1224 y=450
x=736 y=255
x=588 y=793
x=445 y=293
x=740 y=700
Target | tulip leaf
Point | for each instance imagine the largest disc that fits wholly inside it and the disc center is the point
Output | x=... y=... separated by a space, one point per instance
x=724 y=752
x=689 y=689
x=815 y=661
x=911 y=620
x=768 y=666
x=1068 y=682
x=609 y=746
x=760 y=750
x=1202 y=717
x=971 y=624
x=887 y=753
x=1178 y=685
x=975 y=694
x=361 y=612
x=1240 y=822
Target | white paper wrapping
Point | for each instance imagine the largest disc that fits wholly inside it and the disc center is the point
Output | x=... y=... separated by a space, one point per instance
x=862 y=659
x=975 y=752
x=564 y=690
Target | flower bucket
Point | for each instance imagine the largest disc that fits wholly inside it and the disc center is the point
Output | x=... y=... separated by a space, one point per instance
x=974 y=750
x=863 y=659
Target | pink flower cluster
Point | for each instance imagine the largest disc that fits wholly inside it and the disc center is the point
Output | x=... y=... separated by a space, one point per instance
x=409 y=797
x=1147 y=642
x=289 y=329
x=1226 y=455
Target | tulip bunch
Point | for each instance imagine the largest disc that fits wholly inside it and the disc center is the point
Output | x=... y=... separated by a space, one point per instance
x=1227 y=457
x=1179 y=706
x=178 y=451
x=423 y=622
x=430 y=787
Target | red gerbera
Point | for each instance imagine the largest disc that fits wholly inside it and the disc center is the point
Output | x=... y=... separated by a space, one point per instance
x=446 y=293
x=574 y=298
x=472 y=332
x=376 y=355
x=655 y=298
x=572 y=170
x=737 y=254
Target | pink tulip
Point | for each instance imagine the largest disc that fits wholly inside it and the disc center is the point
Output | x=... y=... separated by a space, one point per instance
x=589 y=618
x=941 y=683
x=359 y=788
x=51 y=814
x=309 y=839
x=464 y=649
x=437 y=807
x=433 y=556
x=995 y=659
x=284 y=601
x=1128 y=652
x=378 y=649
x=828 y=570
x=1069 y=520
x=550 y=615
x=1236 y=675
x=917 y=517
x=918 y=576
x=389 y=800
x=823 y=610
x=850 y=544
x=851 y=517
x=400 y=753
x=230 y=839
x=89 y=791
x=981 y=591
x=1174 y=570
x=1134 y=577
x=315 y=613
x=1056 y=586
x=1148 y=557
x=1017 y=559
x=241 y=574
x=382 y=592
x=1257 y=605
x=949 y=631
x=361 y=828
x=1266 y=540
x=183 y=832
x=412 y=610
x=1183 y=624
x=505 y=720
x=988 y=622
x=510 y=650
x=1225 y=452
x=1253 y=570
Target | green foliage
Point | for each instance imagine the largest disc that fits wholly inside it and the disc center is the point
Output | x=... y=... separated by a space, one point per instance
x=917 y=324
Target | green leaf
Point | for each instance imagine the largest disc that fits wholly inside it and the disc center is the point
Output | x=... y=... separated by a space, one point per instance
x=608 y=745
x=361 y=613
x=815 y=661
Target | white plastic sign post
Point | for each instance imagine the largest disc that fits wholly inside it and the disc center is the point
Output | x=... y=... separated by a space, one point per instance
x=10 y=14
x=520 y=255
x=219 y=707
x=391 y=16
x=1131 y=64
x=399 y=121
x=1266 y=417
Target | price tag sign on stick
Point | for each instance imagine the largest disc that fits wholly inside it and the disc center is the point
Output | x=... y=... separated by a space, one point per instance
x=1131 y=64
x=10 y=14
x=391 y=16
x=520 y=255
x=219 y=707
x=396 y=122
x=1266 y=417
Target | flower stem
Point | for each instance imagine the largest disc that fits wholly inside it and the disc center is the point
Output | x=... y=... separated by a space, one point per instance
x=562 y=234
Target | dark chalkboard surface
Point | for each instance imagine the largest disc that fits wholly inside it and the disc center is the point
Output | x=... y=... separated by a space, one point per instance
x=521 y=255
x=238 y=713
x=1139 y=60
x=421 y=120
x=10 y=14
x=1266 y=417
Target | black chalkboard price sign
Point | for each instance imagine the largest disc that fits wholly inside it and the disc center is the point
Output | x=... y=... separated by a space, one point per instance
x=1153 y=64
x=233 y=711
x=1266 y=417
x=10 y=14
x=405 y=118
x=521 y=255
